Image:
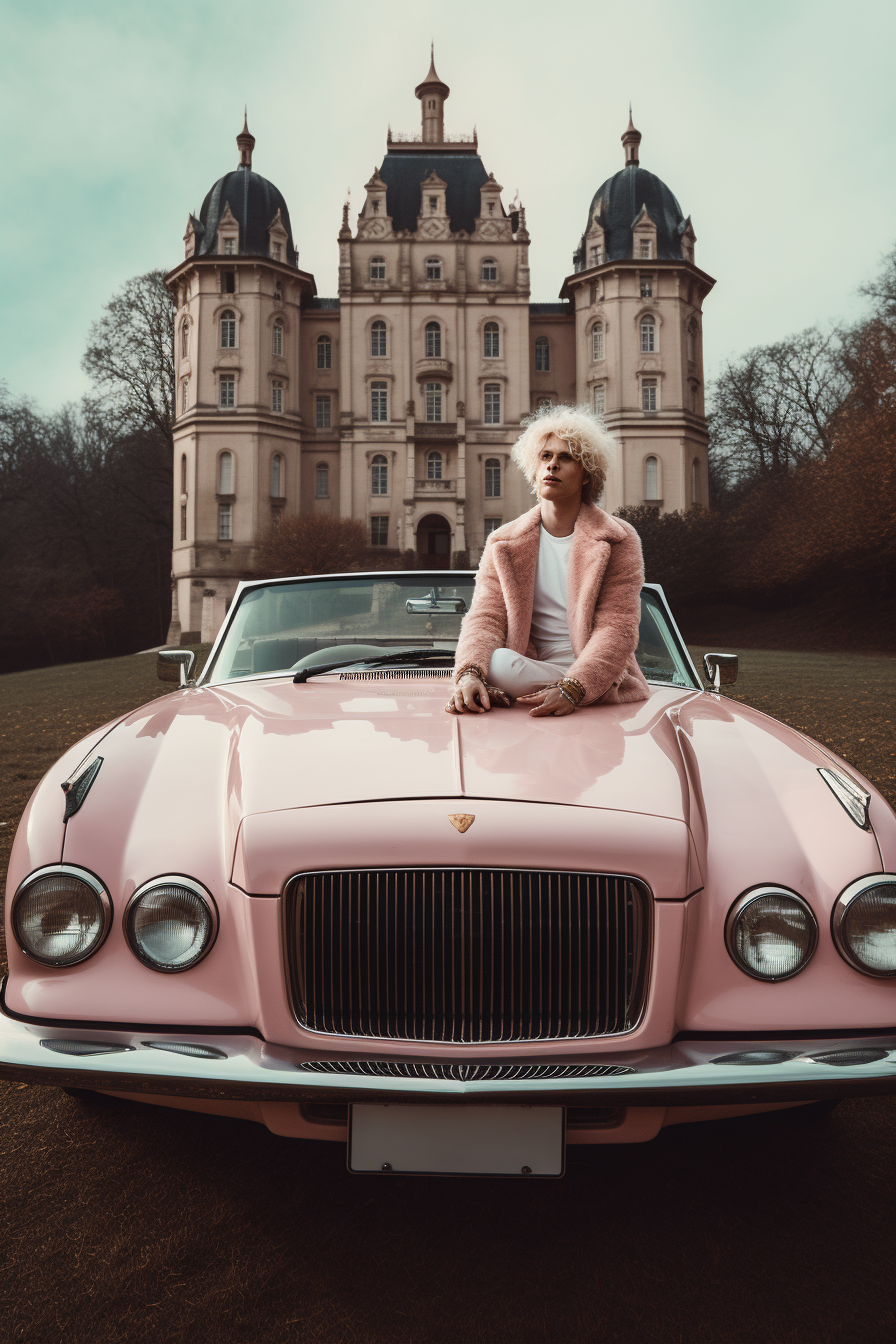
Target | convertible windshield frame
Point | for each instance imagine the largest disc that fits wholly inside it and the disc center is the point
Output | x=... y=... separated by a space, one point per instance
x=425 y=578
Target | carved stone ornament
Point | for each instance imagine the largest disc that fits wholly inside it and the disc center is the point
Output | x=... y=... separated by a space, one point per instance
x=434 y=228
x=461 y=821
x=373 y=228
x=490 y=230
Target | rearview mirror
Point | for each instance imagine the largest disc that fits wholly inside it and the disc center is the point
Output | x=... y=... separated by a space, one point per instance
x=175 y=665
x=721 y=669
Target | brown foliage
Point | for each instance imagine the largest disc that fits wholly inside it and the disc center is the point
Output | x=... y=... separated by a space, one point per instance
x=317 y=543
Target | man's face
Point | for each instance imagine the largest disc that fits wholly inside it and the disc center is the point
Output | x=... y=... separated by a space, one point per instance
x=558 y=475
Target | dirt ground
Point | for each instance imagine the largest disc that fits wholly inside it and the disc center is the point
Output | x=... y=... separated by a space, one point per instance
x=123 y=1222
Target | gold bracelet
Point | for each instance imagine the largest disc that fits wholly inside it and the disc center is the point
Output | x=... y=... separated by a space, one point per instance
x=566 y=696
x=469 y=667
x=575 y=686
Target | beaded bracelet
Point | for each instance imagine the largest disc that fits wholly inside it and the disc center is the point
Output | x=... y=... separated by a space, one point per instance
x=469 y=667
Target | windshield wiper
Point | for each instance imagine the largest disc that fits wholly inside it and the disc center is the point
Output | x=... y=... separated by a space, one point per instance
x=407 y=655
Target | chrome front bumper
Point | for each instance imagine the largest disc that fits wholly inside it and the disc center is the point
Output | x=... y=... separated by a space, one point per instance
x=248 y=1069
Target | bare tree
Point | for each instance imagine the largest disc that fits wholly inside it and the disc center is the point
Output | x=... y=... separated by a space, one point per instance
x=130 y=357
x=882 y=291
x=772 y=408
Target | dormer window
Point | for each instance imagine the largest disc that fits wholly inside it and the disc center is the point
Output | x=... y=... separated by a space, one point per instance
x=377 y=268
x=433 y=204
x=376 y=207
x=491 y=207
x=645 y=251
x=277 y=251
x=433 y=268
x=229 y=247
x=489 y=270
x=597 y=255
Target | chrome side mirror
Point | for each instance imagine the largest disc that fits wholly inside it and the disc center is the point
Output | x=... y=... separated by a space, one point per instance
x=721 y=669
x=175 y=665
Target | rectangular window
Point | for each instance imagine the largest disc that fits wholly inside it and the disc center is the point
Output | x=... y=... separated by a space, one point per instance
x=277 y=397
x=183 y=399
x=322 y=412
x=597 y=342
x=644 y=251
x=493 y=479
x=379 y=530
x=599 y=398
x=379 y=476
x=378 y=268
x=491 y=524
x=227 y=392
x=433 y=399
x=277 y=342
x=648 y=394
x=596 y=256
x=228 y=282
x=379 y=404
x=492 y=404
x=225 y=522
x=229 y=247
x=433 y=204
x=433 y=268
x=322 y=481
x=542 y=355
x=646 y=287
x=183 y=522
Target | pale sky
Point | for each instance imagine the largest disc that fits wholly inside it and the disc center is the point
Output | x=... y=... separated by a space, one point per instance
x=772 y=121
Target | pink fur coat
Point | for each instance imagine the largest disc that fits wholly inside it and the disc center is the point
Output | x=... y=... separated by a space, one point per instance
x=604 y=601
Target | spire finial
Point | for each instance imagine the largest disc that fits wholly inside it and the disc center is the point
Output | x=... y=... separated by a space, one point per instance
x=245 y=141
x=631 y=139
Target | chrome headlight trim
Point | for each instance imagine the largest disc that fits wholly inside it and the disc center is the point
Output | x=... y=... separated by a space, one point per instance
x=90 y=880
x=737 y=909
x=854 y=800
x=169 y=880
x=840 y=912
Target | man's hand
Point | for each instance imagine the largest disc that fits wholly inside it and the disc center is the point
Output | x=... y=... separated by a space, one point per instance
x=549 y=700
x=469 y=693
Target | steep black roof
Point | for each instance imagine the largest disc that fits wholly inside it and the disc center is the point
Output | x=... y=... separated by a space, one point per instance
x=618 y=203
x=254 y=201
x=403 y=174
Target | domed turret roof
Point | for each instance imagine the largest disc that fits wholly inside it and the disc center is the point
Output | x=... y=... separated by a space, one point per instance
x=618 y=202
x=254 y=202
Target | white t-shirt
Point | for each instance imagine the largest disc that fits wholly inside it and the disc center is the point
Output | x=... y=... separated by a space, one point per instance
x=550 y=627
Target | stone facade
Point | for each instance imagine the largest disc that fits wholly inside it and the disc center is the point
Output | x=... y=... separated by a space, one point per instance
x=399 y=402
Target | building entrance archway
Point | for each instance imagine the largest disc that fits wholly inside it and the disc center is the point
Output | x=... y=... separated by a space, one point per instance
x=434 y=541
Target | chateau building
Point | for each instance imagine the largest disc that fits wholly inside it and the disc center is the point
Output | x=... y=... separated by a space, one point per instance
x=398 y=402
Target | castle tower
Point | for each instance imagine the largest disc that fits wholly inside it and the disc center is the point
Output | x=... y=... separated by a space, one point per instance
x=638 y=299
x=432 y=94
x=239 y=296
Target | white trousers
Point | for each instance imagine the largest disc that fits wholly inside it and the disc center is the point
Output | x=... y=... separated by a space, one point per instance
x=518 y=675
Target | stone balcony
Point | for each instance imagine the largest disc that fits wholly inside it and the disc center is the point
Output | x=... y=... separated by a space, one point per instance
x=428 y=489
x=435 y=429
x=432 y=368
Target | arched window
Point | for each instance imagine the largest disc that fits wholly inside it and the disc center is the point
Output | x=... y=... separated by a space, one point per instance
x=432 y=395
x=695 y=481
x=225 y=474
x=433 y=268
x=379 y=475
x=379 y=401
x=228 y=329
x=184 y=339
x=648 y=335
x=183 y=473
x=183 y=396
x=377 y=268
x=433 y=340
x=599 y=398
x=651 y=478
x=434 y=467
x=597 y=341
x=491 y=341
x=277 y=341
x=492 y=478
x=378 y=339
x=489 y=269
x=322 y=481
x=277 y=491
x=492 y=399
x=324 y=352
x=542 y=354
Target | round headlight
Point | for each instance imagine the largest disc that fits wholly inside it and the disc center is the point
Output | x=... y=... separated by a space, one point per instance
x=771 y=933
x=863 y=924
x=170 y=923
x=61 y=915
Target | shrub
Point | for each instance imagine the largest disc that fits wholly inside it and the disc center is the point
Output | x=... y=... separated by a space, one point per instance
x=316 y=543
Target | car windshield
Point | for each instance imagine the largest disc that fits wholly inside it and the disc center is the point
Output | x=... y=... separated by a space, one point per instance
x=284 y=625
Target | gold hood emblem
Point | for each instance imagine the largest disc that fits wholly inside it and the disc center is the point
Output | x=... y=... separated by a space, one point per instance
x=461 y=821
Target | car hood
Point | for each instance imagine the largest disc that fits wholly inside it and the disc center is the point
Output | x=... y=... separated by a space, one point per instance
x=181 y=774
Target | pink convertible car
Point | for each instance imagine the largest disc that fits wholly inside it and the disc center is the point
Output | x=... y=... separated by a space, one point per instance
x=298 y=892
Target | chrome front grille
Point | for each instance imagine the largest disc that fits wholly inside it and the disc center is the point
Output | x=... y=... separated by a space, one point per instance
x=467 y=954
x=462 y=1073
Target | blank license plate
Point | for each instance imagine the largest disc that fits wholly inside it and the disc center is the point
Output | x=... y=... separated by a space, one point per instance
x=457 y=1140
